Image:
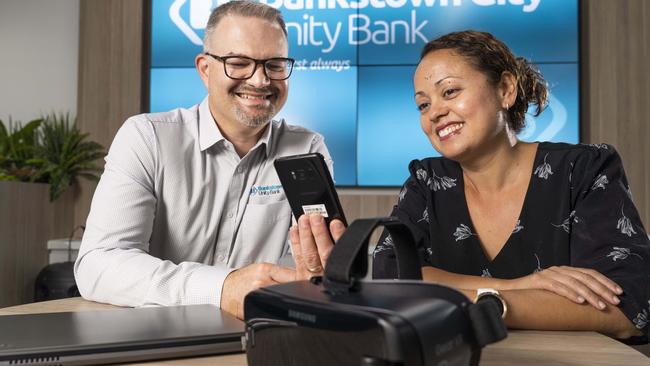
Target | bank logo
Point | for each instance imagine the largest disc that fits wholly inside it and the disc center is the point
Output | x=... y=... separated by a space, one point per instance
x=199 y=11
x=266 y=190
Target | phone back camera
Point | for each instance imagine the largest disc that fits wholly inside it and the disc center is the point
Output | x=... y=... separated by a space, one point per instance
x=303 y=174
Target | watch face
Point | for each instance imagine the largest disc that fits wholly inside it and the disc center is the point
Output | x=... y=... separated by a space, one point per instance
x=487 y=294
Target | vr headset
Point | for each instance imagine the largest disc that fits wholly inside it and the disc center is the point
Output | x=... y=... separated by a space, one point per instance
x=343 y=320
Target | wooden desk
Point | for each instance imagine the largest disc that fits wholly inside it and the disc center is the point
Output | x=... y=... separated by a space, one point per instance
x=528 y=348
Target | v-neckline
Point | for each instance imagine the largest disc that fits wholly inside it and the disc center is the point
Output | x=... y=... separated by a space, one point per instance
x=524 y=205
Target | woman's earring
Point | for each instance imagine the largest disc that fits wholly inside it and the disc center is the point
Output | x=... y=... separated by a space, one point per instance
x=507 y=106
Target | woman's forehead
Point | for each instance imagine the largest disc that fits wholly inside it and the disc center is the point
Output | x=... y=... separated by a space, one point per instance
x=443 y=64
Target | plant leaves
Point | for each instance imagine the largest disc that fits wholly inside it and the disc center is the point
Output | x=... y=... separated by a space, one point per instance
x=51 y=149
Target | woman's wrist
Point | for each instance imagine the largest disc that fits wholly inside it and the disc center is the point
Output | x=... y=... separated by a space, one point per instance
x=466 y=282
x=495 y=283
x=504 y=284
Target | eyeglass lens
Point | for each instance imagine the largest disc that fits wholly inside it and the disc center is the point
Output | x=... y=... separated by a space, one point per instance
x=243 y=68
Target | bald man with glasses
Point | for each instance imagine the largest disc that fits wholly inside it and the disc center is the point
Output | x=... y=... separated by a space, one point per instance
x=189 y=209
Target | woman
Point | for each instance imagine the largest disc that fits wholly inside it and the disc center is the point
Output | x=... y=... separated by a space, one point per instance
x=551 y=226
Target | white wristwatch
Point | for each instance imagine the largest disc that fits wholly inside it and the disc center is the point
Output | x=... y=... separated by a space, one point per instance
x=490 y=294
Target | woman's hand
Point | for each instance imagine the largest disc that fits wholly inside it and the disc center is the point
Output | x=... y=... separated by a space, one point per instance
x=311 y=244
x=576 y=284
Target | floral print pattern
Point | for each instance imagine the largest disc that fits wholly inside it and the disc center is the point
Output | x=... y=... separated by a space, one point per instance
x=625 y=225
x=621 y=253
x=641 y=320
x=518 y=227
x=421 y=174
x=463 y=232
x=435 y=183
x=425 y=216
x=544 y=169
x=566 y=224
x=387 y=244
x=600 y=182
x=600 y=146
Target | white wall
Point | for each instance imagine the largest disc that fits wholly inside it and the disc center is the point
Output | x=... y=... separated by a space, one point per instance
x=39 y=51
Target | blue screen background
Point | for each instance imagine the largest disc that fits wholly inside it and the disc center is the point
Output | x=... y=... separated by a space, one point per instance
x=357 y=90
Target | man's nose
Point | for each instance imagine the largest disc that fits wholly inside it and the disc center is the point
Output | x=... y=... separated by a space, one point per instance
x=259 y=78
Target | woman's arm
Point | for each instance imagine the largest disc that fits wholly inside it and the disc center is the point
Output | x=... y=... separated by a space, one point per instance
x=550 y=301
x=544 y=310
x=579 y=285
x=468 y=282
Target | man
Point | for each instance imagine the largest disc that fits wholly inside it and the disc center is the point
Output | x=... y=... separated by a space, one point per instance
x=190 y=194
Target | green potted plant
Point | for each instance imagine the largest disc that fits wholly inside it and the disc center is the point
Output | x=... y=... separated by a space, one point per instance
x=49 y=150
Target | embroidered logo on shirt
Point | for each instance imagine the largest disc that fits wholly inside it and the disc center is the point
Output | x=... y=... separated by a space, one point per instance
x=269 y=190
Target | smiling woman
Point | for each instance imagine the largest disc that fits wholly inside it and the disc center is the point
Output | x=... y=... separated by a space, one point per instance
x=550 y=225
x=456 y=81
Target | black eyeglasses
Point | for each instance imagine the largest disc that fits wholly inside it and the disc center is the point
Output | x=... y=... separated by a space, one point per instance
x=242 y=67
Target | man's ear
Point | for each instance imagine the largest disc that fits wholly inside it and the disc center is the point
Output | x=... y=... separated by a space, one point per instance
x=507 y=89
x=201 y=62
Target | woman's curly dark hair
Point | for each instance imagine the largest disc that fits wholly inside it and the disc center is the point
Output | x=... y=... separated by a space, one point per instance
x=492 y=57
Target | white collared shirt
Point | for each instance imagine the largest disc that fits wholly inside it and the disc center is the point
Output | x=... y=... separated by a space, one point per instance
x=176 y=209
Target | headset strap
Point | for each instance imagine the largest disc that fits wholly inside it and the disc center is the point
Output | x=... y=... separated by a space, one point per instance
x=348 y=261
x=486 y=320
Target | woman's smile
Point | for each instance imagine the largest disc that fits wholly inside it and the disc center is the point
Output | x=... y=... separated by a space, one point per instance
x=448 y=130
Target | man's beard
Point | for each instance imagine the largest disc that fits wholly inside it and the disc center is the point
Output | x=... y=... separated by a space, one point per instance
x=256 y=120
x=266 y=113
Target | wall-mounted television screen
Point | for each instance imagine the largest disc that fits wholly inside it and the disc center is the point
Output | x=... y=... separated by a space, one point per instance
x=355 y=59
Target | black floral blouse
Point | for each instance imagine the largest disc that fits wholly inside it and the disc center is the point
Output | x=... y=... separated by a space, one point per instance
x=578 y=211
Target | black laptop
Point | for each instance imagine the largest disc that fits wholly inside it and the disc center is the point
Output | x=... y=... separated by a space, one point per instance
x=118 y=336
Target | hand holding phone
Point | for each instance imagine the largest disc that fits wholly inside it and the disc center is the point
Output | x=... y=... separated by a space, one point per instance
x=309 y=187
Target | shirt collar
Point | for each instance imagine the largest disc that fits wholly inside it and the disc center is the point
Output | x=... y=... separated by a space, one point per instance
x=266 y=138
x=209 y=133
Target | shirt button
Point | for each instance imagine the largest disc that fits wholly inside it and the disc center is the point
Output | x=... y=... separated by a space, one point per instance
x=230 y=215
x=240 y=169
x=220 y=258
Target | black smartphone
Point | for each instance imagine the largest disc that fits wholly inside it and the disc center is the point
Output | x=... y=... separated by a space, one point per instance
x=307 y=182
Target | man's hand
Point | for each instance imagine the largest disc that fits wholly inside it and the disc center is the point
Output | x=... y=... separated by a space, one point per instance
x=246 y=279
x=576 y=284
x=311 y=244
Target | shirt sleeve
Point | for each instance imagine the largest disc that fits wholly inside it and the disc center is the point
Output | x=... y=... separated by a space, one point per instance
x=607 y=234
x=411 y=210
x=114 y=265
